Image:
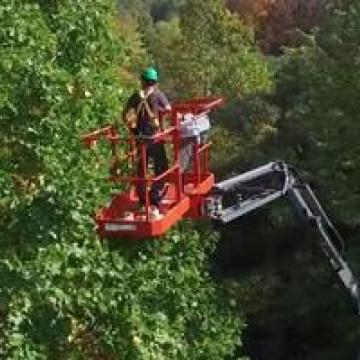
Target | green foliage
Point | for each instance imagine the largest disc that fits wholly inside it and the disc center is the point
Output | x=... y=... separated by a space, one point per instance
x=205 y=50
x=159 y=10
x=245 y=133
x=165 y=9
x=212 y=52
x=291 y=299
x=318 y=89
x=65 y=83
x=299 y=303
x=63 y=293
x=134 y=302
x=209 y=51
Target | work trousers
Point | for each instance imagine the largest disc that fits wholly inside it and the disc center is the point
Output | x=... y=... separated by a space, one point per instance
x=157 y=155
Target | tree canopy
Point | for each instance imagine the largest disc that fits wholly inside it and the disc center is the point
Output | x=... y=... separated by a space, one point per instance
x=64 y=294
x=67 y=67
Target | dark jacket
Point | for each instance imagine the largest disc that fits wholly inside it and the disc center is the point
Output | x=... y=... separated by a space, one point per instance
x=156 y=102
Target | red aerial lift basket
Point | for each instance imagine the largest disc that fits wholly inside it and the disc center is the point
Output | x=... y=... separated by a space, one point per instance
x=187 y=179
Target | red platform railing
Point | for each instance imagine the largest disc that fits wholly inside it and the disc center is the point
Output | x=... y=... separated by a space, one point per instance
x=169 y=133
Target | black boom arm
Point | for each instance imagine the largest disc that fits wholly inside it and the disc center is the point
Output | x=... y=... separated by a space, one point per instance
x=242 y=194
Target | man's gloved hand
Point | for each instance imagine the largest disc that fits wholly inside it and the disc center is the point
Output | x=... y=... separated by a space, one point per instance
x=131 y=118
x=155 y=122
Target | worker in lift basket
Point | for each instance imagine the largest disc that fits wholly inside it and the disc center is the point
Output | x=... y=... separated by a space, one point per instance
x=141 y=114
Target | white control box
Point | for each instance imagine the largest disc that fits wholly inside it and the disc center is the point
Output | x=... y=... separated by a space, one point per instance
x=194 y=125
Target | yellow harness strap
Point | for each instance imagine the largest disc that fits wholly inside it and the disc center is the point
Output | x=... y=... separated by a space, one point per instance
x=144 y=105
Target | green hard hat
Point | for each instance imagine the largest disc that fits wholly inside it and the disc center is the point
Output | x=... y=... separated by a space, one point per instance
x=150 y=74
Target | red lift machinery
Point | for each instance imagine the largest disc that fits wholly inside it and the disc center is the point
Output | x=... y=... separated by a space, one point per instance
x=182 y=130
x=193 y=193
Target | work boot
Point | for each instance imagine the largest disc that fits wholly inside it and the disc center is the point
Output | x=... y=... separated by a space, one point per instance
x=155 y=214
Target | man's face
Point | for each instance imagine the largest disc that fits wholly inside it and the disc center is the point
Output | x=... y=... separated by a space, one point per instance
x=147 y=84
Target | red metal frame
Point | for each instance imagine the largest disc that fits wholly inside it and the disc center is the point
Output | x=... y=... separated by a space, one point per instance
x=186 y=189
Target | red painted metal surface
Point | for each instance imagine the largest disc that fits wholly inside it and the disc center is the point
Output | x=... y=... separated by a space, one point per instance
x=111 y=222
x=186 y=190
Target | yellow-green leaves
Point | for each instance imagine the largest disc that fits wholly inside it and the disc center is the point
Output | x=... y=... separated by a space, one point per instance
x=64 y=294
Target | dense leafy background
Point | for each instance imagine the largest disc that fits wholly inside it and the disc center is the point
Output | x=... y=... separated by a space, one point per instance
x=304 y=112
x=67 y=67
x=65 y=70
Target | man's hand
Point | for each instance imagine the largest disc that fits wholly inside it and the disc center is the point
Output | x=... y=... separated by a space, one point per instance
x=155 y=122
x=131 y=118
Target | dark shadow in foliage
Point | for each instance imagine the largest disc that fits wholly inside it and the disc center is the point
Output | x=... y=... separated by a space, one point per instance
x=50 y=328
x=307 y=311
x=37 y=224
x=242 y=247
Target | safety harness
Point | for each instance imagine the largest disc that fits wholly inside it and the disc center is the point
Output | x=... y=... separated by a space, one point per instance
x=142 y=110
